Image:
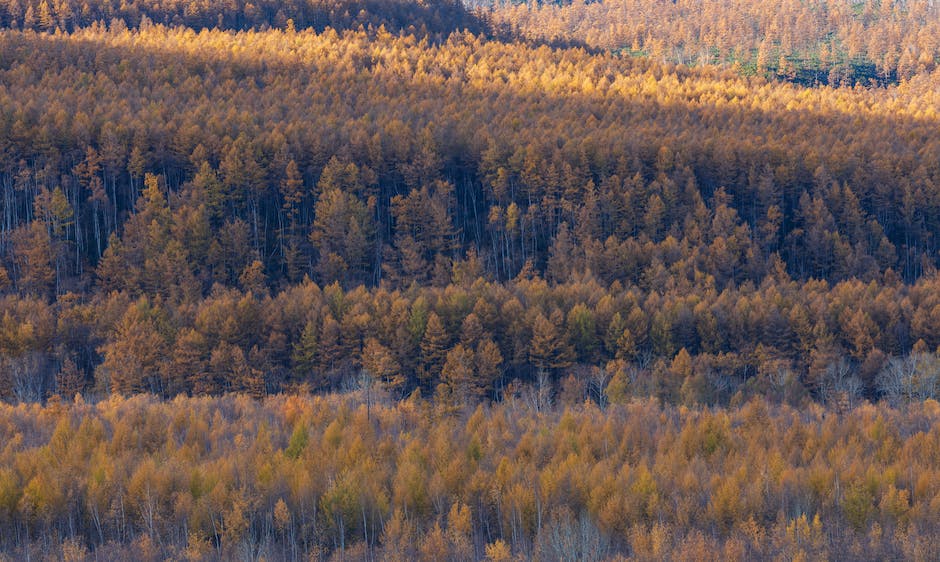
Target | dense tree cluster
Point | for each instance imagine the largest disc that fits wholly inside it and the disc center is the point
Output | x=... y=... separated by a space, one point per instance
x=166 y=193
x=311 y=478
x=827 y=41
x=691 y=343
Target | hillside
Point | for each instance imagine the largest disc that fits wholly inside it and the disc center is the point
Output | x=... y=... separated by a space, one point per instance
x=192 y=169
x=810 y=42
x=232 y=231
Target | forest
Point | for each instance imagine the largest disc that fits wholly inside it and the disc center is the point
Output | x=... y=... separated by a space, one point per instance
x=299 y=477
x=810 y=41
x=352 y=240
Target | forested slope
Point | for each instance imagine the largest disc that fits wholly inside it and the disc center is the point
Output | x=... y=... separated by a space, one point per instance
x=410 y=280
x=161 y=183
x=810 y=42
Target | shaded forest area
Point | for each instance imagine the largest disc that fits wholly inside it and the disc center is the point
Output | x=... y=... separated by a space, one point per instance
x=308 y=477
x=211 y=211
x=432 y=19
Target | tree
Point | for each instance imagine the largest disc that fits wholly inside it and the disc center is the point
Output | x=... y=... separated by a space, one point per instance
x=253 y=278
x=70 y=380
x=231 y=370
x=434 y=346
x=305 y=356
x=381 y=365
x=561 y=261
x=549 y=350
x=471 y=330
x=581 y=329
x=423 y=228
x=342 y=235
x=189 y=368
x=292 y=189
x=459 y=372
x=498 y=551
x=622 y=384
x=46 y=21
x=912 y=378
x=330 y=344
x=488 y=362
x=134 y=357
x=33 y=257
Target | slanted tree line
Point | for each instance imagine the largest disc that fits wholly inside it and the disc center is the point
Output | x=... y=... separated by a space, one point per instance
x=818 y=41
x=331 y=477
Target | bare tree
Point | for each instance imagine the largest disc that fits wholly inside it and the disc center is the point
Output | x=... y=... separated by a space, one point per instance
x=27 y=377
x=839 y=385
x=910 y=379
x=539 y=395
x=567 y=538
x=597 y=383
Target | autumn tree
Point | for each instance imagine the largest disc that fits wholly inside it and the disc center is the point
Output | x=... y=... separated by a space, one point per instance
x=133 y=359
x=342 y=228
x=549 y=350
